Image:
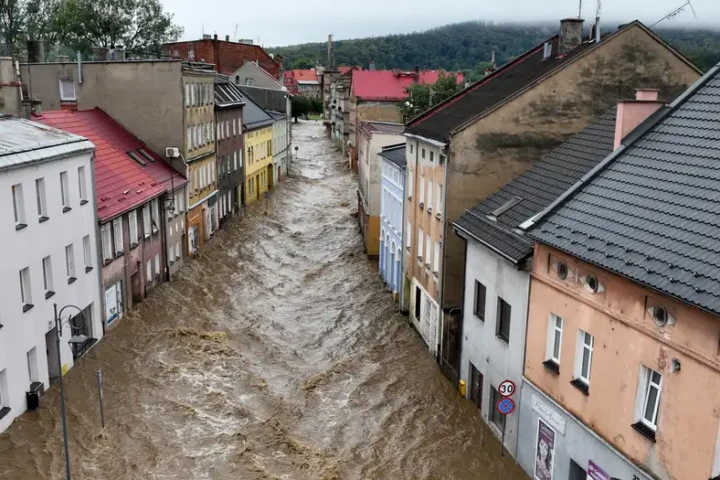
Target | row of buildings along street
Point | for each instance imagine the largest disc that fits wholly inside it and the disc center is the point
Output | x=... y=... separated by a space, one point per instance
x=548 y=231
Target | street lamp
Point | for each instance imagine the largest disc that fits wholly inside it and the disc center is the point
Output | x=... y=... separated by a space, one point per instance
x=75 y=339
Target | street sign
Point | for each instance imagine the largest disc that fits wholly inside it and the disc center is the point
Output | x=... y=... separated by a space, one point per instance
x=505 y=406
x=506 y=388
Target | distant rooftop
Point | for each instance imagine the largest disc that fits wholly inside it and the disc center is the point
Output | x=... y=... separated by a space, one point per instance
x=395 y=154
x=387 y=128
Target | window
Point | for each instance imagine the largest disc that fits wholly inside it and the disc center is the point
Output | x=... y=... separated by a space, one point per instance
x=82 y=186
x=177 y=250
x=41 y=199
x=67 y=90
x=187 y=95
x=132 y=221
x=649 y=394
x=157 y=264
x=479 y=304
x=25 y=291
x=171 y=259
x=155 y=215
x=408 y=236
x=555 y=339
x=421 y=237
x=423 y=153
x=410 y=184
x=70 y=262
x=583 y=357
x=436 y=259
x=418 y=299
x=47 y=276
x=428 y=249
x=235 y=160
x=422 y=191
x=189 y=138
x=148 y=271
x=438 y=199
x=87 y=253
x=411 y=148
x=432 y=156
x=107 y=246
x=65 y=191
x=118 y=234
x=234 y=124
x=429 y=203
x=503 y=320
x=4 y=397
x=496 y=417
x=32 y=365
x=146 y=220
x=18 y=206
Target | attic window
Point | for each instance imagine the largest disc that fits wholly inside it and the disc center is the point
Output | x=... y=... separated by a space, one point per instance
x=139 y=160
x=147 y=156
x=67 y=90
x=504 y=208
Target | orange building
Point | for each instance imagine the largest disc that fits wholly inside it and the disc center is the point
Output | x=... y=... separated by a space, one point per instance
x=622 y=365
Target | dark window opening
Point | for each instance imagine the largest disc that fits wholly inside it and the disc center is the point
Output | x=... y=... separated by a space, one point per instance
x=476 y=386
x=480 y=295
x=503 y=320
x=418 y=298
x=496 y=417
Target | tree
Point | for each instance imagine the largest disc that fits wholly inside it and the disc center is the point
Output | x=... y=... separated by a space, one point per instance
x=300 y=106
x=423 y=96
x=141 y=26
x=302 y=63
x=12 y=20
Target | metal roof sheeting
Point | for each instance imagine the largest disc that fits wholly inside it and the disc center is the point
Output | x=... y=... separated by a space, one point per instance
x=23 y=142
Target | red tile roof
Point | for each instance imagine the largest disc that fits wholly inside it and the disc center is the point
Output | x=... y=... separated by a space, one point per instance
x=121 y=184
x=389 y=85
x=304 y=75
x=345 y=69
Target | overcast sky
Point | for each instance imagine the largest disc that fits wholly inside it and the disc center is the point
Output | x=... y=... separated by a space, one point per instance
x=286 y=22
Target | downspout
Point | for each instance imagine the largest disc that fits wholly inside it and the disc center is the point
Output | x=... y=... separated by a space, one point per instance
x=403 y=243
x=98 y=241
x=441 y=300
x=527 y=322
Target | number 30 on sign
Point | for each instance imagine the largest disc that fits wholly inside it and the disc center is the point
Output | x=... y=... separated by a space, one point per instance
x=506 y=388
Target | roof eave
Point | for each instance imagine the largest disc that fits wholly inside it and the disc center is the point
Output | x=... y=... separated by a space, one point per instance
x=469 y=235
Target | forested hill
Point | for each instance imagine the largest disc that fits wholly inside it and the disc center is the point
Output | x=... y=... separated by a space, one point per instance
x=466 y=46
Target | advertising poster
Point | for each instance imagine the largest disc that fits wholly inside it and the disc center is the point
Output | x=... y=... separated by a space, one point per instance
x=544 y=451
x=596 y=473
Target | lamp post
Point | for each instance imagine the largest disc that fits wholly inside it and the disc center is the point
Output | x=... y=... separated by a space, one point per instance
x=75 y=339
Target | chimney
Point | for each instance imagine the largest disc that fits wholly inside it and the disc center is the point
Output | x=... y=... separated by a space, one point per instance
x=330 y=49
x=215 y=37
x=571 y=34
x=100 y=54
x=631 y=113
x=35 y=51
x=372 y=65
x=10 y=89
x=227 y=38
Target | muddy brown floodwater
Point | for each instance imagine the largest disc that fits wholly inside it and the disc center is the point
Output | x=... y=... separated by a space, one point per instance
x=277 y=354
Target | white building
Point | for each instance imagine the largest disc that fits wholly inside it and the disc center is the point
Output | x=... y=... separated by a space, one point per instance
x=497 y=271
x=280 y=145
x=48 y=230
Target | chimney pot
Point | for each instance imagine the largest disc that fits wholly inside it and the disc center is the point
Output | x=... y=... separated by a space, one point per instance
x=571 y=34
x=227 y=38
x=215 y=37
x=631 y=113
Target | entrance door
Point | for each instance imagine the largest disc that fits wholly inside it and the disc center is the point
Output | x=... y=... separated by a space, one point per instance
x=113 y=302
x=51 y=350
x=476 y=386
x=135 y=287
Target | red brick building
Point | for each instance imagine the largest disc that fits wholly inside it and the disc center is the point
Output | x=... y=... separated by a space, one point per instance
x=227 y=56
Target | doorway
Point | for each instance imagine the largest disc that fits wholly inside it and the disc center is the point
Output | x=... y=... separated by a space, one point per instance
x=576 y=472
x=476 y=386
x=52 y=352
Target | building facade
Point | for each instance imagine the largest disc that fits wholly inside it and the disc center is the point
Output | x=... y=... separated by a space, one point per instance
x=258 y=139
x=624 y=305
x=374 y=136
x=229 y=104
x=251 y=74
x=227 y=56
x=498 y=127
x=50 y=246
x=303 y=82
x=280 y=145
x=392 y=216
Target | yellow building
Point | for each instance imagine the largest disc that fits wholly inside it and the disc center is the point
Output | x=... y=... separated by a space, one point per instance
x=199 y=155
x=258 y=167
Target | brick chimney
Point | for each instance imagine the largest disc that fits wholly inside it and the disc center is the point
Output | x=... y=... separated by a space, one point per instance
x=10 y=89
x=631 y=113
x=571 y=34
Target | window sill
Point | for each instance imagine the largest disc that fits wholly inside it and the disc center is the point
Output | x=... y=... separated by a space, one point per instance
x=66 y=209
x=503 y=339
x=552 y=366
x=71 y=280
x=482 y=319
x=438 y=216
x=422 y=206
x=580 y=385
x=436 y=274
x=645 y=431
x=84 y=202
x=49 y=294
x=4 y=411
x=420 y=260
x=427 y=266
x=107 y=261
x=119 y=254
x=133 y=246
x=43 y=219
x=27 y=307
x=20 y=226
x=155 y=231
x=429 y=210
x=88 y=269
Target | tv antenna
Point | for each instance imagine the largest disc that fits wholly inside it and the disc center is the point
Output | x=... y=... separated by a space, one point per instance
x=580 y=10
x=677 y=12
x=235 y=36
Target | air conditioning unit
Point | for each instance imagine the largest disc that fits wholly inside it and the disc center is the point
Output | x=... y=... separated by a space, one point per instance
x=35 y=395
x=172 y=152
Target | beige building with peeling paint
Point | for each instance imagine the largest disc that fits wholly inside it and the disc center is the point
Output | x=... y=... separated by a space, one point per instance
x=495 y=129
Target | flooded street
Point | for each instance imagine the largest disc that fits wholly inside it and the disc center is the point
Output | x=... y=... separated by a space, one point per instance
x=275 y=354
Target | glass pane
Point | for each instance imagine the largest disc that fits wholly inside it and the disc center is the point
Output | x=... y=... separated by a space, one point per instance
x=652 y=398
x=588 y=339
x=556 y=347
x=586 y=363
x=558 y=322
x=656 y=377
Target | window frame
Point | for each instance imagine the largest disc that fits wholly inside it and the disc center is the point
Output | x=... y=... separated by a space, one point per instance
x=25 y=289
x=133 y=229
x=87 y=253
x=555 y=333
x=118 y=240
x=18 y=206
x=82 y=185
x=478 y=287
x=106 y=237
x=70 y=262
x=41 y=198
x=65 y=191
x=499 y=320
x=47 y=275
x=648 y=383
x=496 y=418
x=582 y=346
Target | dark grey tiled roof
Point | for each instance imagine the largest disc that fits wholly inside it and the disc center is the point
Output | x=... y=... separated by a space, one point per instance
x=255 y=116
x=538 y=187
x=276 y=115
x=652 y=214
x=395 y=153
x=266 y=97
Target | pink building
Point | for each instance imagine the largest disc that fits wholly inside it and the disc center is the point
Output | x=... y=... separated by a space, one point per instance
x=622 y=365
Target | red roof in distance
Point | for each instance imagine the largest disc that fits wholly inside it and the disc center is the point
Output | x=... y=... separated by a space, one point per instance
x=121 y=183
x=303 y=75
x=390 y=85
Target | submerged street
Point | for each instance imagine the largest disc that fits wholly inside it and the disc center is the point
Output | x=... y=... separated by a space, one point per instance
x=277 y=353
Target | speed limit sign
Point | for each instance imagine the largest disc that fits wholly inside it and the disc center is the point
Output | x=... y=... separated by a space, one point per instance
x=506 y=388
